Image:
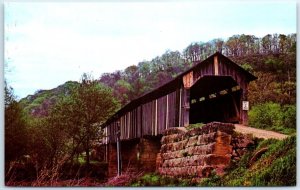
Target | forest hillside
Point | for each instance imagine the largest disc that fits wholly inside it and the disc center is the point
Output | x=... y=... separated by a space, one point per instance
x=52 y=134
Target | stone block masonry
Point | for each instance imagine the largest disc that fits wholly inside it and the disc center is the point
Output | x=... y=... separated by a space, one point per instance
x=197 y=152
x=137 y=155
x=181 y=153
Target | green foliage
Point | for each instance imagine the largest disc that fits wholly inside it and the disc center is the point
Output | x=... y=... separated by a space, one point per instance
x=289 y=116
x=48 y=127
x=15 y=127
x=69 y=128
x=272 y=116
x=247 y=67
x=212 y=180
x=274 y=64
x=152 y=179
x=196 y=125
x=39 y=104
x=276 y=167
x=265 y=116
x=78 y=117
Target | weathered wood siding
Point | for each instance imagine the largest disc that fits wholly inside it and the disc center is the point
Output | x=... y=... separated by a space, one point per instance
x=221 y=67
x=149 y=119
x=169 y=105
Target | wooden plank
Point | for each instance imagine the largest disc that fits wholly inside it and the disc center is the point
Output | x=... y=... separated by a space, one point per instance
x=133 y=124
x=155 y=130
x=244 y=113
x=186 y=103
x=188 y=80
x=216 y=65
x=141 y=122
x=128 y=124
x=167 y=112
x=180 y=106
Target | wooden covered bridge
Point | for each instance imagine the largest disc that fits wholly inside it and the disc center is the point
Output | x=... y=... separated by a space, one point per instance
x=215 y=89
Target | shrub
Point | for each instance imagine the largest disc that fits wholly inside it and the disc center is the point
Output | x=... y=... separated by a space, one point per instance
x=247 y=67
x=289 y=116
x=152 y=179
x=265 y=115
x=276 y=167
x=212 y=180
x=196 y=125
x=272 y=116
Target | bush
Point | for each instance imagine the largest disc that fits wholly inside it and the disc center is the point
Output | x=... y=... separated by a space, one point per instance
x=212 y=180
x=289 y=116
x=152 y=179
x=272 y=116
x=196 y=125
x=276 y=167
x=265 y=115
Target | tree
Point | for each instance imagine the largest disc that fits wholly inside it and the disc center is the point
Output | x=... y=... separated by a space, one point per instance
x=15 y=127
x=123 y=91
x=78 y=117
x=267 y=43
x=232 y=45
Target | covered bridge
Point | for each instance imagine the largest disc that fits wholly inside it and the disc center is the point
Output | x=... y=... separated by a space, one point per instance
x=215 y=89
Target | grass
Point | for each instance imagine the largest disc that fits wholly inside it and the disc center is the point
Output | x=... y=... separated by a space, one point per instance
x=276 y=167
x=153 y=179
x=196 y=125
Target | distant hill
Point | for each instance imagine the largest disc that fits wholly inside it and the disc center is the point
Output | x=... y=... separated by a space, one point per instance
x=38 y=105
x=271 y=58
x=127 y=88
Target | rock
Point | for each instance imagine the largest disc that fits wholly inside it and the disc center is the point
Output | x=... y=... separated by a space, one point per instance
x=206 y=171
x=222 y=149
x=175 y=130
x=214 y=160
x=206 y=138
x=192 y=141
x=223 y=138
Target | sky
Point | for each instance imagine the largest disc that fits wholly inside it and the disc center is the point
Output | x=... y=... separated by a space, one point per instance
x=47 y=44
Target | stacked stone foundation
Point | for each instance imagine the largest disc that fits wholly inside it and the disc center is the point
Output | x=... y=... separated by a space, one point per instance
x=182 y=153
x=196 y=153
x=137 y=155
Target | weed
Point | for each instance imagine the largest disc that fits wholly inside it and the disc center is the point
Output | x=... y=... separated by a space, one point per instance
x=276 y=167
x=193 y=126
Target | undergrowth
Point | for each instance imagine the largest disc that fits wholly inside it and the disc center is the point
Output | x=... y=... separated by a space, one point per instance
x=275 y=167
x=273 y=116
x=196 y=125
x=153 y=179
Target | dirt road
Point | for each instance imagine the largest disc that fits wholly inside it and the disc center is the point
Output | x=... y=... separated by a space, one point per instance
x=259 y=133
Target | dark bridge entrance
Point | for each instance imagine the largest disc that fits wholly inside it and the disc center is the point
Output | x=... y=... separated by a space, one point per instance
x=213 y=90
x=215 y=98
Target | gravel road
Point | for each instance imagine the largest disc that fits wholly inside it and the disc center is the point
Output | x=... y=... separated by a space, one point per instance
x=259 y=133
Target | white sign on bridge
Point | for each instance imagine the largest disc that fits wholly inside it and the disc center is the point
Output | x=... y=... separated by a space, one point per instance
x=245 y=105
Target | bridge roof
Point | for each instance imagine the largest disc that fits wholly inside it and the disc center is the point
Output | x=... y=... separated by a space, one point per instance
x=175 y=84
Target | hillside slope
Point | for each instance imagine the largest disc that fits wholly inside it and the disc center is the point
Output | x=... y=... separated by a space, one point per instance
x=37 y=105
x=270 y=163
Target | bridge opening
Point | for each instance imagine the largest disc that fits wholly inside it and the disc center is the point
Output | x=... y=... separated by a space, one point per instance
x=215 y=98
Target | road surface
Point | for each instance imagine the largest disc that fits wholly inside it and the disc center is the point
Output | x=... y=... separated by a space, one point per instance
x=259 y=133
